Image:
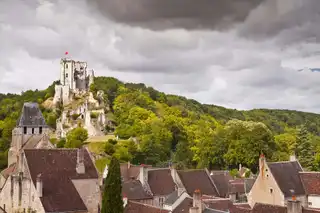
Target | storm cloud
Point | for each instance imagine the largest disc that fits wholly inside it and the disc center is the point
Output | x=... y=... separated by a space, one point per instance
x=241 y=54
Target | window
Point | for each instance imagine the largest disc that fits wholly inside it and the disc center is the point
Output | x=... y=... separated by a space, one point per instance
x=66 y=75
x=271 y=190
x=66 y=66
x=309 y=203
x=32 y=130
x=40 y=130
x=24 y=130
x=161 y=201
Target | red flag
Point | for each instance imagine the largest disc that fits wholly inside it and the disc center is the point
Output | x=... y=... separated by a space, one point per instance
x=66 y=53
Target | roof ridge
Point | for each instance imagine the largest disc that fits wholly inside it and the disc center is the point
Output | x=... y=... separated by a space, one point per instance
x=143 y=204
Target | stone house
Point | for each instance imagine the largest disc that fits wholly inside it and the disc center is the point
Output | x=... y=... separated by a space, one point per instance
x=277 y=182
x=157 y=182
x=52 y=180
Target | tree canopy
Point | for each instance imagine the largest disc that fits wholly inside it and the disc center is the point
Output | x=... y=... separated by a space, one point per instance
x=158 y=129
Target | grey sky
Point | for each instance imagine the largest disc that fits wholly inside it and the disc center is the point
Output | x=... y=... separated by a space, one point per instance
x=241 y=55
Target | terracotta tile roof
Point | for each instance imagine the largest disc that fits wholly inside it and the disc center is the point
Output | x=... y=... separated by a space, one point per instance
x=57 y=168
x=31 y=116
x=184 y=206
x=221 y=180
x=197 y=179
x=136 y=207
x=134 y=191
x=311 y=182
x=6 y=172
x=287 y=177
x=161 y=181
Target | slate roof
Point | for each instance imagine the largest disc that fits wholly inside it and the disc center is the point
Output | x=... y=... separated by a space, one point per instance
x=134 y=191
x=171 y=198
x=136 y=207
x=221 y=180
x=219 y=204
x=311 y=182
x=248 y=183
x=237 y=186
x=267 y=208
x=57 y=168
x=161 y=181
x=31 y=116
x=184 y=206
x=287 y=177
x=197 y=179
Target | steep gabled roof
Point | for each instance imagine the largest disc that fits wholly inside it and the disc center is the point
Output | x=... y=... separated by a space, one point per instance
x=136 y=207
x=197 y=179
x=31 y=116
x=134 y=191
x=221 y=180
x=58 y=168
x=311 y=182
x=287 y=177
x=161 y=181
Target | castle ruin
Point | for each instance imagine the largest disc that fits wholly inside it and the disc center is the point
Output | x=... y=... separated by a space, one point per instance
x=74 y=79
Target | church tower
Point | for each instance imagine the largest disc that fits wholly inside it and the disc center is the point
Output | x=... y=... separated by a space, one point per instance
x=31 y=129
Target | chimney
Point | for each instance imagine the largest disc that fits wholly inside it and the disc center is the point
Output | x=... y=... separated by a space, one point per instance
x=240 y=167
x=294 y=206
x=125 y=200
x=197 y=200
x=39 y=186
x=80 y=161
x=262 y=162
x=293 y=158
x=143 y=175
x=194 y=210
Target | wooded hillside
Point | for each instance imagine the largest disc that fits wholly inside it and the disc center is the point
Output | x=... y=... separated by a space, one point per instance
x=170 y=128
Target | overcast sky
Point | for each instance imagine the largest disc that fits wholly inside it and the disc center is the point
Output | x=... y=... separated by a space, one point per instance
x=235 y=53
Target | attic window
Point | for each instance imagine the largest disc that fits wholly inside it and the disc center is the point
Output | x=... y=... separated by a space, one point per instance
x=271 y=190
x=266 y=170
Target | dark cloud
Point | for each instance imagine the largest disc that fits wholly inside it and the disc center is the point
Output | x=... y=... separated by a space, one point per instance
x=189 y=14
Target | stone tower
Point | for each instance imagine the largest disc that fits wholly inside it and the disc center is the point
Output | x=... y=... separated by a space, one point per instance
x=30 y=132
x=74 y=78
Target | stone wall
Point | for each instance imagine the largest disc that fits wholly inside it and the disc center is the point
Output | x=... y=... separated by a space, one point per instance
x=89 y=191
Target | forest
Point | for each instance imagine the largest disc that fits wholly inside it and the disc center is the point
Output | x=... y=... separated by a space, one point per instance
x=162 y=129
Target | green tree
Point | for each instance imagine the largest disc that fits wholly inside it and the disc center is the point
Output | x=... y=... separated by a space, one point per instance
x=76 y=137
x=112 y=198
x=304 y=148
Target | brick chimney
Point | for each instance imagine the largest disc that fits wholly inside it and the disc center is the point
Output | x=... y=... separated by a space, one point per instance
x=294 y=206
x=80 y=161
x=197 y=204
x=39 y=185
x=262 y=164
x=293 y=158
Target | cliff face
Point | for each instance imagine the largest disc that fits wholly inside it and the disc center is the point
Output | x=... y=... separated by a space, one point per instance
x=84 y=110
